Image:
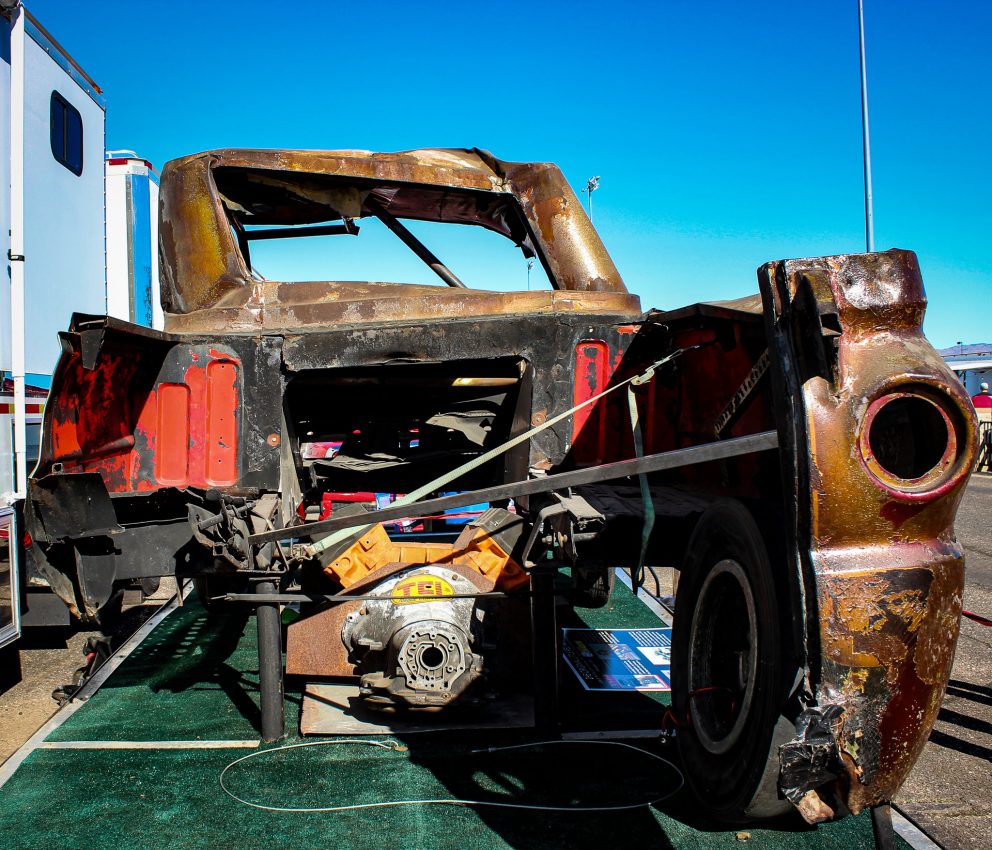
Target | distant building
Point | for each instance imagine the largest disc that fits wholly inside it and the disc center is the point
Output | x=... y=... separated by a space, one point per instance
x=972 y=363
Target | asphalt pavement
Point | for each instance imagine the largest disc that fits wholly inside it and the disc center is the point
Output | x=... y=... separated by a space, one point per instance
x=949 y=793
x=45 y=659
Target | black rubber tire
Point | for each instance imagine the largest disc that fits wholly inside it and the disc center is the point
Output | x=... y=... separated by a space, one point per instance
x=727 y=635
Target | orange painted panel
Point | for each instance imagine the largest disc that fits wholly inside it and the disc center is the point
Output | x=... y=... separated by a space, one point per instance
x=172 y=436
x=222 y=423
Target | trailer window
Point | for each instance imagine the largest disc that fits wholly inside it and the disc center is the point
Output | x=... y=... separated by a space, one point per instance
x=67 y=134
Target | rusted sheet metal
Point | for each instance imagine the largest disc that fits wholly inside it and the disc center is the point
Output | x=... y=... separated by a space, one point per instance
x=889 y=574
x=143 y=423
x=203 y=269
x=313 y=306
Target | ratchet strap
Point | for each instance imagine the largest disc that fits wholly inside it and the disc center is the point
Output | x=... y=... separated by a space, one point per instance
x=336 y=537
x=637 y=575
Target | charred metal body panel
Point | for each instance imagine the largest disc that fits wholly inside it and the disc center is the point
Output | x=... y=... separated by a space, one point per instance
x=886 y=439
x=218 y=448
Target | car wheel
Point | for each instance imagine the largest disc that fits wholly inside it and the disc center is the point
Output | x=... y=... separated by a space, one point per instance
x=727 y=668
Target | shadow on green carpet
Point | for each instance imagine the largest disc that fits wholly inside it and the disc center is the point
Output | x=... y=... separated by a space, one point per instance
x=195 y=677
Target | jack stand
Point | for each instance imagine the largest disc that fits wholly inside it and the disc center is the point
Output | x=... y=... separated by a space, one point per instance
x=544 y=635
x=881 y=825
x=270 y=683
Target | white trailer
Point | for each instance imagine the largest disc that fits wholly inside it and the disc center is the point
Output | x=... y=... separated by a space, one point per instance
x=132 y=240
x=53 y=159
x=80 y=231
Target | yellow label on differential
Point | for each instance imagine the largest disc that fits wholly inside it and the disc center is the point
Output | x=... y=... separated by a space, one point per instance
x=420 y=589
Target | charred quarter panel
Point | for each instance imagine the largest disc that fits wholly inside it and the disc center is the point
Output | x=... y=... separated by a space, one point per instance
x=882 y=572
x=145 y=414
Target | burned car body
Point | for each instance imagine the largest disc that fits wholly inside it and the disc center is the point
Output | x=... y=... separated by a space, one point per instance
x=799 y=457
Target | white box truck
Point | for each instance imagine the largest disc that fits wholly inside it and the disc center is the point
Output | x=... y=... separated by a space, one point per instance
x=80 y=229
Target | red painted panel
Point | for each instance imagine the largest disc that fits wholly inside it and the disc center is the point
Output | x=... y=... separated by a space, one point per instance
x=89 y=416
x=172 y=435
x=592 y=372
x=222 y=423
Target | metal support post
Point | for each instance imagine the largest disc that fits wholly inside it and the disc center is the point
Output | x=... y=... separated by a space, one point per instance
x=544 y=634
x=865 y=136
x=270 y=664
x=881 y=827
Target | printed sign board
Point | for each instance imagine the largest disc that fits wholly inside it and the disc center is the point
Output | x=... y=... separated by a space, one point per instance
x=620 y=659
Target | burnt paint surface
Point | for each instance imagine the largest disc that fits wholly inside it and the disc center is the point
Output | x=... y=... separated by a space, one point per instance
x=107 y=419
x=888 y=572
x=207 y=285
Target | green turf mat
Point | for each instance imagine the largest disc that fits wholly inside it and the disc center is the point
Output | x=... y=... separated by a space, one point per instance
x=141 y=799
x=195 y=677
x=623 y=611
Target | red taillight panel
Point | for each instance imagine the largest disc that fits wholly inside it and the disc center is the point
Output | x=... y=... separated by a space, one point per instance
x=172 y=445
x=222 y=423
x=592 y=372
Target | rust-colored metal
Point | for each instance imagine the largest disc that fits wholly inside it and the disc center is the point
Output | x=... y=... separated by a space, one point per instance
x=207 y=285
x=889 y=573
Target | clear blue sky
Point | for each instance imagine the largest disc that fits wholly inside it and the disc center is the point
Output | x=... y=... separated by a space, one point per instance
x=727 y=134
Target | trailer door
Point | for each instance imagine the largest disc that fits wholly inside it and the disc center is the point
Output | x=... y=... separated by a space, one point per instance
x=10 y=614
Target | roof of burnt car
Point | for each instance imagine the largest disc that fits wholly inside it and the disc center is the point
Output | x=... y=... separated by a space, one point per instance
x=467 y=168
x=207 y=198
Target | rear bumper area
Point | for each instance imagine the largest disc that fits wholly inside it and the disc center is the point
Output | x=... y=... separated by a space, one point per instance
x=889 y=620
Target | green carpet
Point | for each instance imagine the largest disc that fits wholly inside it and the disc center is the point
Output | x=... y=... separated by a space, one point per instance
x=140 y=799
x=195 y=677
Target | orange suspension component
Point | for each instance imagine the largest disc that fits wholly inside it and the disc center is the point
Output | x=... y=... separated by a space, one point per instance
x=479 y=547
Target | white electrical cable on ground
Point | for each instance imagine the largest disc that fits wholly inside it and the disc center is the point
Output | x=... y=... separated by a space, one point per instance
x=393 y=745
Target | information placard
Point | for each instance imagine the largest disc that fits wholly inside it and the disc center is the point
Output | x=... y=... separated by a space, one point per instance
x=620 y=659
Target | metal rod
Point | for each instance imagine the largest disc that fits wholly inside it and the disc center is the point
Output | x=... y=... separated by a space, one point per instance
x=291 y=232
x=544 y=648
x=286 y=598
x=763 y=441
x=869 y=216
x=881 y=827
x=413 y=243
x=270 y=664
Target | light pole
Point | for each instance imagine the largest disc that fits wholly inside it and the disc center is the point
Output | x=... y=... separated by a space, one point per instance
x=592 y=184
x=869 y=218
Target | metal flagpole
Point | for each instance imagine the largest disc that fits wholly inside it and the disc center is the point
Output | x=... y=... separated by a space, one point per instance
x=869 y=217
x=592 y=184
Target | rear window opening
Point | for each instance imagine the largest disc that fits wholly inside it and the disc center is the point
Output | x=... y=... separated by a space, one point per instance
x=479 y=258
x=384 y=431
